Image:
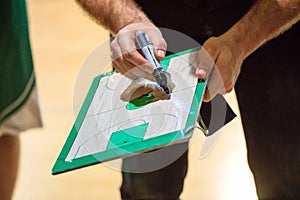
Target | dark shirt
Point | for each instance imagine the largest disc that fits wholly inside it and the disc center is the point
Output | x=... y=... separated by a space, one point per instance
x=198 y=19
x=267 y=89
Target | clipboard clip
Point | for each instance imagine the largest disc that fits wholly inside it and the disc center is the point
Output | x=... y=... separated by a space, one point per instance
x=199 y=125
x=202 y=126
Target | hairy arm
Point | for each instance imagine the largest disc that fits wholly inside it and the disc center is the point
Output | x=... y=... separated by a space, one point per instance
x=265 y=20
x=123 y=18
x=113 y=14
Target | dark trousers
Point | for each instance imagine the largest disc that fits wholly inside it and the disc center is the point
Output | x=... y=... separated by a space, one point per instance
x=269 y=96
x=160 y=174
x=165 y=183
x=268 y=92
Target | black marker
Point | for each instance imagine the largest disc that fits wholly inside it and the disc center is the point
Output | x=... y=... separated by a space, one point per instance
x=147 y=49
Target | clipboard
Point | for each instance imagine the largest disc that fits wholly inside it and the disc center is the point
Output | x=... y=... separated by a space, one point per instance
x=129 y=140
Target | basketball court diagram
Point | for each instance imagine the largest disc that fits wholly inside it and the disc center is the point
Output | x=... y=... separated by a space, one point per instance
x=107 y=128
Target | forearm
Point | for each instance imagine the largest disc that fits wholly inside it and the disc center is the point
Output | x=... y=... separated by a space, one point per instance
x=113 y=14
x=263 y=22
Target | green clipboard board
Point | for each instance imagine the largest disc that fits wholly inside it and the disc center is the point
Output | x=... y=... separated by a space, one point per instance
x=128 y=141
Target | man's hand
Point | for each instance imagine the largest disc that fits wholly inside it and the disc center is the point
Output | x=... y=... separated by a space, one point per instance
x=220 y=63
x=123 y=18
x=126 y=56
x=263 y=22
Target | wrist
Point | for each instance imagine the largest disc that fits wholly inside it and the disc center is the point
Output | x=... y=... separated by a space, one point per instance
x=240 y=46
x=137 y=17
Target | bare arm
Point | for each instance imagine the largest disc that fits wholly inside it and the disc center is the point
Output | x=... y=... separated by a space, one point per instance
x=113 y=14
x=264 y=21
x=124 y=18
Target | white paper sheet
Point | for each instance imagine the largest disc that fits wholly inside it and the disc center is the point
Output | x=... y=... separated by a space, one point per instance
x=108 y=114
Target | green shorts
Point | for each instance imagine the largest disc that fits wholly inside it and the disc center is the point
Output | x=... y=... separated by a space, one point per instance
x=17 y=78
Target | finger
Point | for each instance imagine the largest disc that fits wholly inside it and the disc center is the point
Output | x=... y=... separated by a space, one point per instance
x=127 y=46
x=159 y=47
x=159 y=53
x=118 y=64
x=207 y=55
x=124 y=66
x=206 y=97
x=140 y=72
x=138 y=60
x=130 y=52
x=116 y=56
x=115 y=50
x=127 y=67
x=206 y=64
x=214 y=86
x=156 y=38
x=120 y=67
x=130 y=75
x=158 y=42
x=126 y=41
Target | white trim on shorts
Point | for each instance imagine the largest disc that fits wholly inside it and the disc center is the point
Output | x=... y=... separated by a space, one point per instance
x=28 y=116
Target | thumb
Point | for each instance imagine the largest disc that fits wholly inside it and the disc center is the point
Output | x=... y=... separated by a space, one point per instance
x=159 y=47
x=207 y=58
x=159 y=53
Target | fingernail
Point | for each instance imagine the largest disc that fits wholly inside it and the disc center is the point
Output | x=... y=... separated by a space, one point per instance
x=202 y=73
x=161 y=53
